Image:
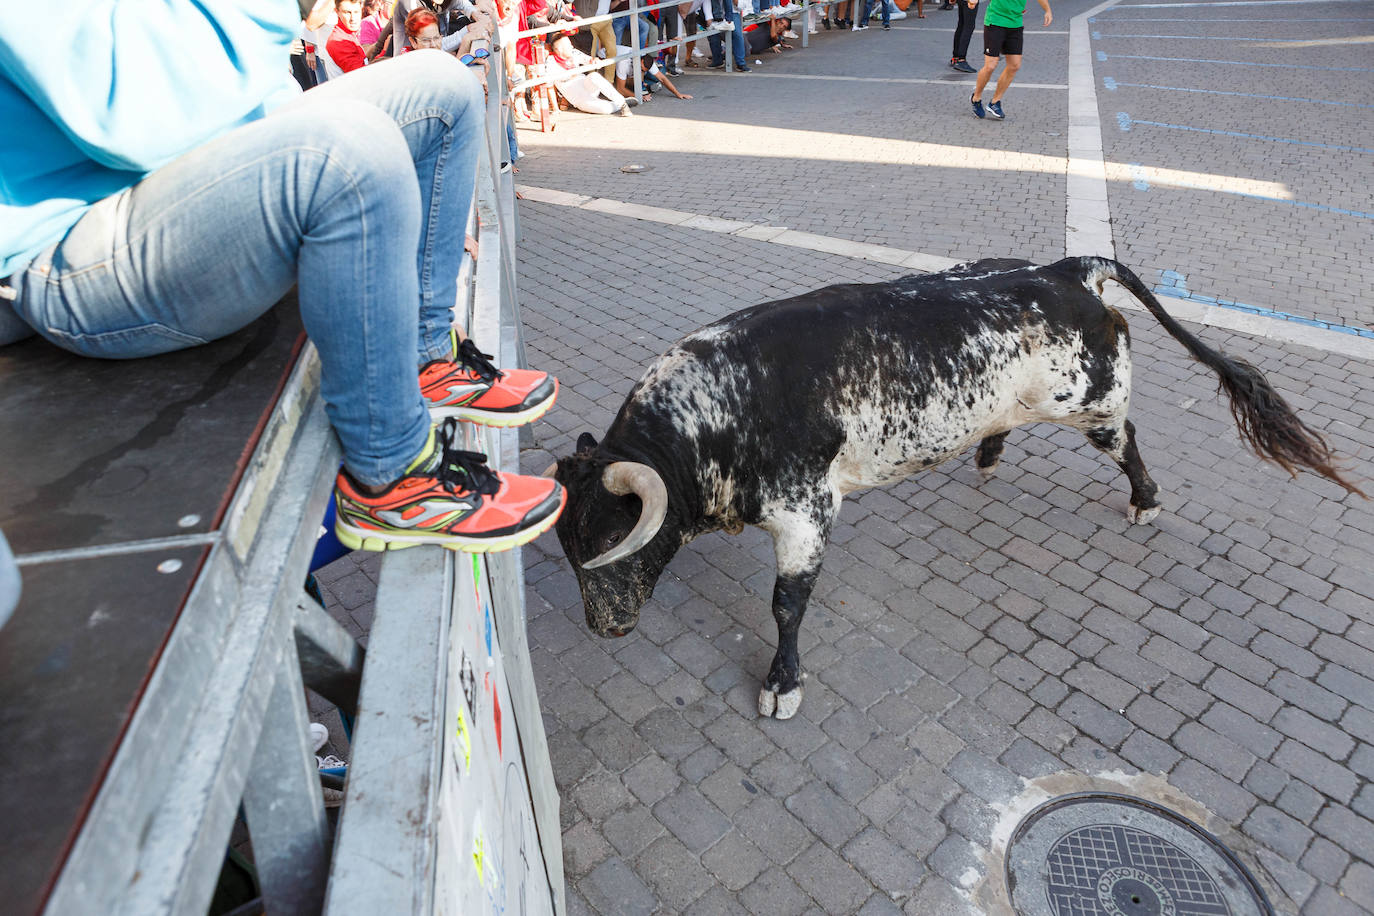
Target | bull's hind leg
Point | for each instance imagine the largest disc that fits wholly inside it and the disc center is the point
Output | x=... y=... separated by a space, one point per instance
x=990 y=454
x=799 y=538
x=1119 y=442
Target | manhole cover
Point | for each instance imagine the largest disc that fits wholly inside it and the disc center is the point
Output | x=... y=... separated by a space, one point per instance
x=1101 y=854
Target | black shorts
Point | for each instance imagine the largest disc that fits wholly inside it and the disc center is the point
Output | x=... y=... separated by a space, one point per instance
x=999 y=40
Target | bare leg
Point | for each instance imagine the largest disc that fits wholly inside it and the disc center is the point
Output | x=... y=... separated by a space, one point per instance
x=1008 y=74
x=1119 y=443
x=985 y=74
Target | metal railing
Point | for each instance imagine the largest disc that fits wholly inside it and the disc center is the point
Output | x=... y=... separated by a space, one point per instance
x=635 y=51
x=222 y=725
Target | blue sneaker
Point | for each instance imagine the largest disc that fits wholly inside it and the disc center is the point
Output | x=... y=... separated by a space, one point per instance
x=995 y=109
x=977 y=106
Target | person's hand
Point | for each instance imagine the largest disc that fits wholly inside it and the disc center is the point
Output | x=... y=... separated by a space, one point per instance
x=1049 y=17
x=684 y=96
x=470 y=246
x=972 y=3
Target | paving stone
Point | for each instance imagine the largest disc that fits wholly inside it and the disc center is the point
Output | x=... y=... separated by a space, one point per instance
x=630 y=830
x=675 y=875
x=1318 y=771
x=1301 y=726
x=830 y=880
x=735 y=861
x=716 y=902
x=729 y=789
x=615 y=744
x=825 y=814
x=1351 y=832
x=583 y=849
x=692 y=819
x=624 y=695
x=773 y=829
x=1358 y=885
x=1325 y=861
x=842 y=771
x=1278 y=831
x=774 y=893
x=888 y=866
x=613 y=887
x=600 y=793
x=1224 y=797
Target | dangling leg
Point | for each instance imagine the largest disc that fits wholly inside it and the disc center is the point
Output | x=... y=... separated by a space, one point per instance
x=1119 y=442
x=990 y=454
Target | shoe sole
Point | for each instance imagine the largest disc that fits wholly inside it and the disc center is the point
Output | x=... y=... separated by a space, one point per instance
x=995 y=116
x=499 y=419
x=366 y=539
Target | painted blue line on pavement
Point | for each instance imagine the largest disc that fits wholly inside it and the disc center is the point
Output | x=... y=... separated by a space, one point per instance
x=1175 y=288
x=1102 y=55
x=1112 y=84
x=1126 y=122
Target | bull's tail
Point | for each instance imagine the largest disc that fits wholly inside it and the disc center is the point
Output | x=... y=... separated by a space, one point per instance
x=1266 y=422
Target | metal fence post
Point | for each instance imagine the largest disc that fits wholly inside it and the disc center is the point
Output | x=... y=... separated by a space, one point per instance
x=634 y=51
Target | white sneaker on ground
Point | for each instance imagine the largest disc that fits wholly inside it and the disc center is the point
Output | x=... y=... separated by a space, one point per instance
x=319 y=736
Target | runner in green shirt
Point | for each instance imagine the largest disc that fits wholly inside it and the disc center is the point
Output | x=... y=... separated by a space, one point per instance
x=1002 y=36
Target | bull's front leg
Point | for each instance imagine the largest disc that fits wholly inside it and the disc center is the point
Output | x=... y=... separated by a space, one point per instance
x=799 y=538
x=782 y=691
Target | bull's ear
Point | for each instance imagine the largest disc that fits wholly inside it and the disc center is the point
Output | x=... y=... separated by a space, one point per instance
x=586 y=442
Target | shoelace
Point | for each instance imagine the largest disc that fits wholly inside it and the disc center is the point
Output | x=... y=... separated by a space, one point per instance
x=459 y=469
x=477 y=361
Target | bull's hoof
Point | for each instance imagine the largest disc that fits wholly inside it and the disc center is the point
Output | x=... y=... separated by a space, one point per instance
x=1140 y=516
x=780 y=705
x=987 y=473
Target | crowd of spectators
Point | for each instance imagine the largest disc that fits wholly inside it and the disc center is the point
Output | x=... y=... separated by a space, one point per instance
x=353 y=33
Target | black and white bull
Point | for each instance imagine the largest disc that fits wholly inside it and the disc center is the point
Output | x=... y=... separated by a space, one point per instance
x=769 y=416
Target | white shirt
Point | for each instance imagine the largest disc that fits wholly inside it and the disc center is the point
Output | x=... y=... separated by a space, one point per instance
x=622 y=67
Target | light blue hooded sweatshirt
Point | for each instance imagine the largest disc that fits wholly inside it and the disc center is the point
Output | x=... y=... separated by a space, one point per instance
x=95 y=94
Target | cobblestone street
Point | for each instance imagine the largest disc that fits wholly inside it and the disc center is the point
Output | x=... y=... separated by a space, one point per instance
x=971 y=644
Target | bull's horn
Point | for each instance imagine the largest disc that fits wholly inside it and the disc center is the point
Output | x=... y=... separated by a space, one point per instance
x=548 y=471
x=622 y=477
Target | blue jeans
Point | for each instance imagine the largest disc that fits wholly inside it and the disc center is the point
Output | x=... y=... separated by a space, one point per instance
x=648 y=33
x=863 y=17
x=736 y=37
x=358 y=193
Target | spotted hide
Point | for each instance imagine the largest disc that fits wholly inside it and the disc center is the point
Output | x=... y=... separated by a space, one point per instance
x=770 y=416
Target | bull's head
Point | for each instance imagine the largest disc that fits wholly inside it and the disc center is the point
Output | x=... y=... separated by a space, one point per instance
x=612 y=533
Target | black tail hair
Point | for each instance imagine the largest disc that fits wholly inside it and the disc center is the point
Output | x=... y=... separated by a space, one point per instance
x=1267 y=424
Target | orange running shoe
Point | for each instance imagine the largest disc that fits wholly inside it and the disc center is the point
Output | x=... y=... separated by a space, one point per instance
x=447 y=497
x=470 y=388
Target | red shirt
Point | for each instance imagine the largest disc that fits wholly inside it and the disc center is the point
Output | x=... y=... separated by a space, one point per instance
x=524 y=47
x=345 y=49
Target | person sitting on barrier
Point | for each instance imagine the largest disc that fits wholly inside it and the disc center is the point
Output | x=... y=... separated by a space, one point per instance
x=587 y=92
x=651 y=77
x=160 y=201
